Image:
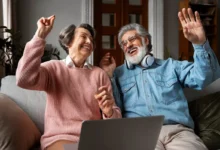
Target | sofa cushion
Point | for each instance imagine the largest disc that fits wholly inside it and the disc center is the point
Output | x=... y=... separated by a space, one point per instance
x=17 y=131
x=205 y=112
x=32 y=102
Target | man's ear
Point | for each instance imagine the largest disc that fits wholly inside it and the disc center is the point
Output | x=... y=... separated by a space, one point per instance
x=146 y=41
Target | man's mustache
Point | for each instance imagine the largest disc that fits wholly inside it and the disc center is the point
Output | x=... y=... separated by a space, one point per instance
x=131 y=48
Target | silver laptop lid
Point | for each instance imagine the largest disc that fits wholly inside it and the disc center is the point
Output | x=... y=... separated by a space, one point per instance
x=121 y=134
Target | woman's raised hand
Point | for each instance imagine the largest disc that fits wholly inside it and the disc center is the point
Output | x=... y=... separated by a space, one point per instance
x=44 y=26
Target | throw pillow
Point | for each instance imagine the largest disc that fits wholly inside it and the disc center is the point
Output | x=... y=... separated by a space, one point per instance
x=205 y=112
x=17 y=131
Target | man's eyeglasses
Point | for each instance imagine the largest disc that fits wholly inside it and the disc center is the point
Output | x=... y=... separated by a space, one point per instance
x=131 y=39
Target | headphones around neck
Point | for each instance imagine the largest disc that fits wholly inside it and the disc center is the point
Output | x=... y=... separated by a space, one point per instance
x=146 y=62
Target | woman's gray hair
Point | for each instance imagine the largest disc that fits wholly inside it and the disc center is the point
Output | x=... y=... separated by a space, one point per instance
x=67 y=34
x=140 y=30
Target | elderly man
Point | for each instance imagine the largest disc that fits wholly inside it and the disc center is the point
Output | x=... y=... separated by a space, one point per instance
x=147 y=86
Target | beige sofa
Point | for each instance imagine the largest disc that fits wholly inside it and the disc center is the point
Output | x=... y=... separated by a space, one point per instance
x=28 y=122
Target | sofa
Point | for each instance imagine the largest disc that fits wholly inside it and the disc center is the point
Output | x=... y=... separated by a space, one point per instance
x=22 y=115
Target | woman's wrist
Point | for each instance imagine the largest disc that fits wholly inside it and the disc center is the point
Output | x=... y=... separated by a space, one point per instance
x=39 y=33
x=109 y=114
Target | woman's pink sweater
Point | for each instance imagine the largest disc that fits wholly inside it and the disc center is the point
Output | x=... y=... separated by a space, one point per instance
x=70 y=92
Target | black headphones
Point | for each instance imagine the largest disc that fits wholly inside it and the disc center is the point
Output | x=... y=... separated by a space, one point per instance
x=146 y=62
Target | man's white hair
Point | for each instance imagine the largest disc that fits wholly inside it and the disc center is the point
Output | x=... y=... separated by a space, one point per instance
x=141 y=31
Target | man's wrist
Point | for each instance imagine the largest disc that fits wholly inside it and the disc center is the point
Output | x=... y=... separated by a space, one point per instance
x=200 y=43
x=109 y=75
x=205 y=46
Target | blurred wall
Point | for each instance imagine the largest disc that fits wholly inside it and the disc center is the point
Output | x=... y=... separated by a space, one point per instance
x=171 y=24
x=29 y=11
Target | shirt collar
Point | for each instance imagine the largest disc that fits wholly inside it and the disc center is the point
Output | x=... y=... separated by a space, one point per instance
x=69 y=63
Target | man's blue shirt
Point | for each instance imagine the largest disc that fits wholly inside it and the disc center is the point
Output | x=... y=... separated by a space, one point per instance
x=158 y=89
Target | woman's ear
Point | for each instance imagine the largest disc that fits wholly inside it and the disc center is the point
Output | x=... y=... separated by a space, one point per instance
x=69 y=45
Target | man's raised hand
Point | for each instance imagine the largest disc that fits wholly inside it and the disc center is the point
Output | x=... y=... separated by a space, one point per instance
x=108 y=64
x=192 y=26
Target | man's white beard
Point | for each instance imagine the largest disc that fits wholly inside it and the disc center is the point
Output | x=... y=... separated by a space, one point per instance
x=136 y=59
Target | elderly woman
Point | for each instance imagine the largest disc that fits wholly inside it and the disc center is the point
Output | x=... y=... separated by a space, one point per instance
x=76 y=91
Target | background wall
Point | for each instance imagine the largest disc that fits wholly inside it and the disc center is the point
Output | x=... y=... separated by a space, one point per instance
x=171 y=24
x=29 y=11
x=1 y=16
x=218 y=32
x=1 y=23
x=69 y=11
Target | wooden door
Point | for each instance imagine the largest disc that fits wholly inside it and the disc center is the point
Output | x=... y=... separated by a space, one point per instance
x=109 y=17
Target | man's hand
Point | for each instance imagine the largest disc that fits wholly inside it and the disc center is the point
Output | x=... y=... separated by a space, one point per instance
x=192 y=26
x=44 y=26
x=108 y=64
x=105 y=101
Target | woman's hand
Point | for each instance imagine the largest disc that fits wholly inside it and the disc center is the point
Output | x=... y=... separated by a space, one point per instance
x=192 y=26
x=44 y=26
x=105 y=101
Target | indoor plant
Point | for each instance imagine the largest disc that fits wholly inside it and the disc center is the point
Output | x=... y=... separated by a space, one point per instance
x=11 y=51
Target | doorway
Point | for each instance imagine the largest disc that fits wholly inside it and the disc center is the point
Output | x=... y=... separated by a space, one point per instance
x=109 y=17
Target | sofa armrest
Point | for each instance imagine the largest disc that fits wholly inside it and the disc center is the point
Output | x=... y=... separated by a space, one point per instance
x=32 y=102
x=192 y=94
x=205 y=112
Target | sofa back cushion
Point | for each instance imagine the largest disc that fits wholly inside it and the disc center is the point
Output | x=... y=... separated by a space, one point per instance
x=17 y=131
x=32 y=102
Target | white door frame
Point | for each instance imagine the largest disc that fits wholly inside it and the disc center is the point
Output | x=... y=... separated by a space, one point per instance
x=156 y=26
x=87 y=17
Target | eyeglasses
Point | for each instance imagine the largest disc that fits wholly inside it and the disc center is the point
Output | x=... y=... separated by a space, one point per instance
x=131 y=39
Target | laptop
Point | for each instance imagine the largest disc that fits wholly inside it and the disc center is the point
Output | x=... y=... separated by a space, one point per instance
x=119 y=134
